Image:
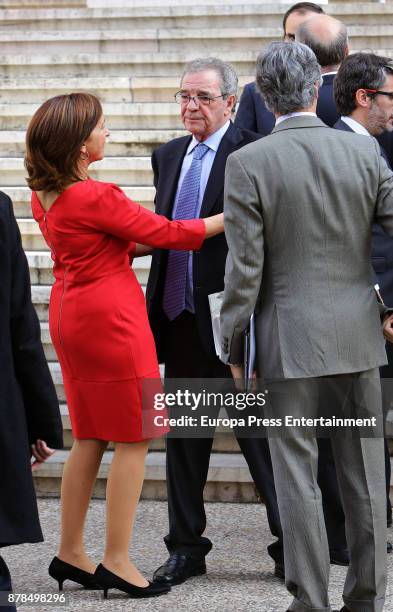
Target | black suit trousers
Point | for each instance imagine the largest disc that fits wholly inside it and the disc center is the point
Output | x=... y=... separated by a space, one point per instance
x=188 y=459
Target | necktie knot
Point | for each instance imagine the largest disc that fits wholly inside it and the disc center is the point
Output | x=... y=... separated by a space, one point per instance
x=200 y=151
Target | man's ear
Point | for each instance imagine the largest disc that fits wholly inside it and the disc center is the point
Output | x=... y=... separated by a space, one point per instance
x=362 y=99
x=231 y=104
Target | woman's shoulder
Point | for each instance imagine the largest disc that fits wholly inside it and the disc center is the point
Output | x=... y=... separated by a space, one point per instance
x=99 y=188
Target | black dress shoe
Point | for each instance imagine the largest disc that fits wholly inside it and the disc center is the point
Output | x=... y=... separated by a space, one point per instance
x=61 y=571
x=389 y=547
x=339 y=557
x=279 y=571
x=178 y=568
x=108 y=580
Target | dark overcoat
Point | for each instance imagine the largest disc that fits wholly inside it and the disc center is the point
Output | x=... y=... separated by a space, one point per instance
x=28 y=404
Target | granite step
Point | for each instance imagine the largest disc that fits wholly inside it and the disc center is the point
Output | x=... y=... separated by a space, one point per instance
x=224 y=439
x=111 y=64
x=40 y=295
x=120 y=170
x=121 y=143
x=119 y=115
x=125 y=64
x=228 y=479
x=40 y=266
x=190 y=14
x=31 y=4
x=21 y=198
x=110 y=90
x=169 y=40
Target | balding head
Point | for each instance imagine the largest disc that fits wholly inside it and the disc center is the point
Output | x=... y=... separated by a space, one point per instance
x=327 y=37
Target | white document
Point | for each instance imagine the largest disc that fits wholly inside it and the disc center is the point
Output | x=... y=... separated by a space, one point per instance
x=215 y=302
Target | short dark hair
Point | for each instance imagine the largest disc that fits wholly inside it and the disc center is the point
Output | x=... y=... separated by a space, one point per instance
x=54 y=137
x=329 y=53
x=359 y=71
x=302 y=8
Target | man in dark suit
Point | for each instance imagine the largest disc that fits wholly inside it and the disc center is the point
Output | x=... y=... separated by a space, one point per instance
x=364 y=99
x=252 y=113
x=29 y=411
x=179 y=309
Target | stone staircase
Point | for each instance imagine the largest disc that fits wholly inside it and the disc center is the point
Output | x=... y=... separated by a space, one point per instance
x=131 y=56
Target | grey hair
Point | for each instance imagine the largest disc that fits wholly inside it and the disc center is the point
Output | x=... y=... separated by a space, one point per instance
x=226 y=72
x=286 y=76
x=328 y=53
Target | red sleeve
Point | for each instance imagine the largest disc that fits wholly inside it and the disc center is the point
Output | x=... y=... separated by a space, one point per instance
x=131 y=252
x=118 y=215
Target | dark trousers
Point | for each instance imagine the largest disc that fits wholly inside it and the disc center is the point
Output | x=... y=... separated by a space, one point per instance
x=387 y=392
x=188 y=459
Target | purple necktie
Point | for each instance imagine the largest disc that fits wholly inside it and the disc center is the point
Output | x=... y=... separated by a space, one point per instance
x=174 y=299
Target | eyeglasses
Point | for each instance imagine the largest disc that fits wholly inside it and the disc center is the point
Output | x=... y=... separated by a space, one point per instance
x=381 y=93
x=182 y=98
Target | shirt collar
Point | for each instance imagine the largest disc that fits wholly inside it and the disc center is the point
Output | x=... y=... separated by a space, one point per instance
x=289 y=115
x=213 y=141
x=328 y=73
x=355 y=126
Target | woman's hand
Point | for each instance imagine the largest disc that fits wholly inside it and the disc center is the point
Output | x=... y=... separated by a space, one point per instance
x=41 y=452
x=214 y=225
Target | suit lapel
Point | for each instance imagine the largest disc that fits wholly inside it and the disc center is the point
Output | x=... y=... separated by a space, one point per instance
x=341 y=125
x=215 y=183
x=171 y=168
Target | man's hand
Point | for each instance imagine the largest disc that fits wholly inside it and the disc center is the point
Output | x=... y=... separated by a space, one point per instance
x=41 y=452
x=387 y=328
x=238 y=376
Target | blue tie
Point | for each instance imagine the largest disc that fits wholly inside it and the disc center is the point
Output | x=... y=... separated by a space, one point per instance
x=174 y=299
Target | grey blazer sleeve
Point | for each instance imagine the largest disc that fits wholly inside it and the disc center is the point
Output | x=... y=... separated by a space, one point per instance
x=243 y=272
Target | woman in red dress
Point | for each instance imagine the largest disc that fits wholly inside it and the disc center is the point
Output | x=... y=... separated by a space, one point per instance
x=99 y=327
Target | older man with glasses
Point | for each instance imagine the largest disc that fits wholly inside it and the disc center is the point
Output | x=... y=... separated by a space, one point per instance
x=189 y=181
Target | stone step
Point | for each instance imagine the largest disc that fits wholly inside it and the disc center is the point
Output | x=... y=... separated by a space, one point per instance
x=228 y=478
x=40 y=266
x=125 y=64
x=212 y=40
x=121 y=143
x=29 y=4
x=40 y=295
x=220 y=14
x=168 y=40
x=113 y=89
x=112 y=64
x=21 y=198
x=224 y=440
x=120 y=115
x=120 y=170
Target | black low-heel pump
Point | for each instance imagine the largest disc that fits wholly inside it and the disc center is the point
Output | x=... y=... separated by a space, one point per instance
x=61 y=571
x=107 y=580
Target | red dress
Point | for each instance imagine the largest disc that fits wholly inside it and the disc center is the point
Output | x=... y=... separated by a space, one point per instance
x=97 y=314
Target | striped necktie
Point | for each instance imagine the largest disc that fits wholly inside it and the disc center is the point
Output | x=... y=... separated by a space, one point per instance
x=174 y=298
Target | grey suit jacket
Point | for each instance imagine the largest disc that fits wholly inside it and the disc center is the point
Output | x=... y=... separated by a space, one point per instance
x=299 y=207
